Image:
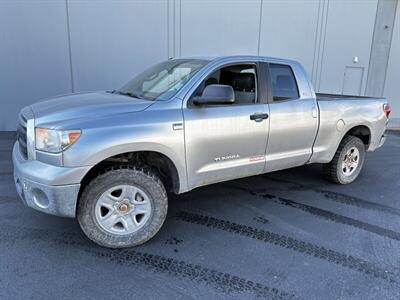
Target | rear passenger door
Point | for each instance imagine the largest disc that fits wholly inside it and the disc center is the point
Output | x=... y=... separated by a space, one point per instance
x=293 y=117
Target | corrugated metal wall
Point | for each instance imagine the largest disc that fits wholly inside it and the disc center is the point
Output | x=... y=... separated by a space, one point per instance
x=63 y=46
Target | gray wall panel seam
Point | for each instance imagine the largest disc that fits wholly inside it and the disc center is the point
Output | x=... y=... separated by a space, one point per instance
x=390 y=47
x=168 y=35
x=180 y=27
x=371 y=48
x=316 y=40
x=323 y=44
x=173 y=32
x=69 y=48
x=381 y=44
x=259 y=27
x=319 y=52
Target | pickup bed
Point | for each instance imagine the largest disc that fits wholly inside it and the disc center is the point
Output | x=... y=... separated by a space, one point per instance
x=109 y=158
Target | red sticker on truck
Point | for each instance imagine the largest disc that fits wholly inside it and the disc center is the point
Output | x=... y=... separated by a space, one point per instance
x=257 y=158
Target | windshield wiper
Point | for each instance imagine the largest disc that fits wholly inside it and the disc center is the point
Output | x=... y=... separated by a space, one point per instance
x=129 y=94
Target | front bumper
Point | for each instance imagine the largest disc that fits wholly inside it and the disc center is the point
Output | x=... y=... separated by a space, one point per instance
x=50 y=189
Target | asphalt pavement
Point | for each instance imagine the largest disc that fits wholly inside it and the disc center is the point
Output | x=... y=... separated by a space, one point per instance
x=283 y=235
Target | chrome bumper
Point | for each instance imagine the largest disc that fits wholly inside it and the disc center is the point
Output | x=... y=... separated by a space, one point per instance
x=47 y=188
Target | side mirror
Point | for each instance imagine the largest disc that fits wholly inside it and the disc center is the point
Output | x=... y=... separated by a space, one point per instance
x=216 y=94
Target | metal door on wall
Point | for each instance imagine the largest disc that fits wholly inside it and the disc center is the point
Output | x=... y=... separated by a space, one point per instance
x=352 y=80
x=346 y=47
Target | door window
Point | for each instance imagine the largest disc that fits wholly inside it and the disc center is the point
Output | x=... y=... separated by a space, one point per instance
x=242 y=78
x=284 y=86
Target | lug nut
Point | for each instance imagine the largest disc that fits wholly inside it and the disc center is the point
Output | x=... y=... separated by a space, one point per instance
x=123 y=207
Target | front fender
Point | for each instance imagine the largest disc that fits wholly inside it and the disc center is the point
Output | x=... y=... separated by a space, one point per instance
x=147 y=131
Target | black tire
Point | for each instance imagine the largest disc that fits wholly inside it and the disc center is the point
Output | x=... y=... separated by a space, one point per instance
x=146 y=181
x=333 y=171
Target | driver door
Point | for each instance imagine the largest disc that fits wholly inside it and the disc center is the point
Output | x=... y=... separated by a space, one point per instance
x=227 y=141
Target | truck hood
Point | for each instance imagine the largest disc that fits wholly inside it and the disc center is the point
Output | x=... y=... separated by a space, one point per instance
x=54 y=111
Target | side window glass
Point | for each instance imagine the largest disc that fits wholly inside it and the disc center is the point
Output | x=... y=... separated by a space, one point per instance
x=284 y=86
x=242 y=78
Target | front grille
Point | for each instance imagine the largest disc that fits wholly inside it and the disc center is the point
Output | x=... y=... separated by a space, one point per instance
x=21 y=136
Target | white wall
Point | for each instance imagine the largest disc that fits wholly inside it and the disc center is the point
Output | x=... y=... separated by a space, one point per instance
x=62 y=46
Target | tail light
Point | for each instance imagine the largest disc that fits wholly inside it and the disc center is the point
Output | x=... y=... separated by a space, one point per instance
x=387 y=109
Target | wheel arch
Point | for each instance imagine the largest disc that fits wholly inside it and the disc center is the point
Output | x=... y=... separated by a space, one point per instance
x=161 y=163
x=363 y=132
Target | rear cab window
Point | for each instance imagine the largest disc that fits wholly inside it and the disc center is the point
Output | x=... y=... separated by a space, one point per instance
x=284 y=85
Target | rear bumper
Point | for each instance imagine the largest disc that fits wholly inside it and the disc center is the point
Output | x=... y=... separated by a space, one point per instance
x=47 y=188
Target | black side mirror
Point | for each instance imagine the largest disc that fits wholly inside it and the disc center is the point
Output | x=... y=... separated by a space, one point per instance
x=216 y=94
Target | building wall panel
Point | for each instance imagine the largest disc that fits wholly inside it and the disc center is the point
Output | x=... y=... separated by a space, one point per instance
x=55 y=47
x=111 y=41
x=289 y=29
x=349 y=31
x=34 y=59
x=219 y=27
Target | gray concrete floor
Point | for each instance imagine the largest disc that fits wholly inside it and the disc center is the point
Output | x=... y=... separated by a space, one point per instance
x=284 y=235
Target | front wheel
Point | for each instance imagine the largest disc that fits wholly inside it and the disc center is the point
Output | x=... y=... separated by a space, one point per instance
x=347 y=163
x=123 y=207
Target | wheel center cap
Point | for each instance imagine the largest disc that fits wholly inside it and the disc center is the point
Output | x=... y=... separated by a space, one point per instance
x=123 y=207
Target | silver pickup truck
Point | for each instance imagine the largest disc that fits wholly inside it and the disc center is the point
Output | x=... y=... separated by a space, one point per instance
x=109 y=158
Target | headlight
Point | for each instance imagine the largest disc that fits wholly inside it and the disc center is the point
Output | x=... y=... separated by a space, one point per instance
x=55 y=141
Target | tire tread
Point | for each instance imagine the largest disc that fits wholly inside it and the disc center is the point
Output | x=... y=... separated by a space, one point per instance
x=116 y=171
x=330 y=170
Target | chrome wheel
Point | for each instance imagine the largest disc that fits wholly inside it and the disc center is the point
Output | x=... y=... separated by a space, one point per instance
x=350 y=161
x=123 y=209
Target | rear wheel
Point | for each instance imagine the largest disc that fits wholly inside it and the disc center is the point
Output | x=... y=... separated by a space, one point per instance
x=123 y=207
x=347 y=163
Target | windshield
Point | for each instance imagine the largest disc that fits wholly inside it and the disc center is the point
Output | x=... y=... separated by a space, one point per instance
x=163 y=80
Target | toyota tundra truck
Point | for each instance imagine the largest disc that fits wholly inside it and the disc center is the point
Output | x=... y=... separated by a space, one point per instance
x=111 y=158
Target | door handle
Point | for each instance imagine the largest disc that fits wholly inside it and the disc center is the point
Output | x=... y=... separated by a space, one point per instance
x=258 y=117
